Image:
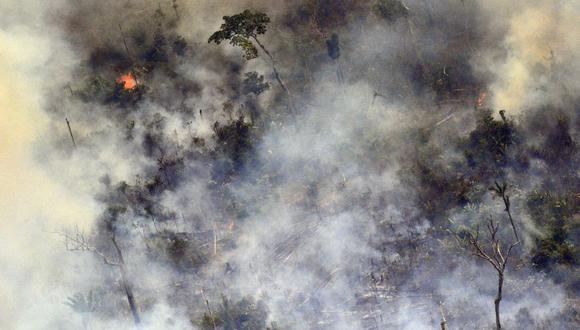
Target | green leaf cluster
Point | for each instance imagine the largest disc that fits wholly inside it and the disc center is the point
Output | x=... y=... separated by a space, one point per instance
x=557 y=216
x=240 y=28
x=245 y=314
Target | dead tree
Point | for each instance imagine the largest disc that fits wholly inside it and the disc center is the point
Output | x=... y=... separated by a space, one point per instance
x=443 y=320
x=129 y=55
x=491 y=249
x=175 y=8
x=211 y=315
x=78 y=241
x=70 y=132
x=500 y=190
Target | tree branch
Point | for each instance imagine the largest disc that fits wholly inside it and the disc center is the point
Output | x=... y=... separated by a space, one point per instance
x=79 y=242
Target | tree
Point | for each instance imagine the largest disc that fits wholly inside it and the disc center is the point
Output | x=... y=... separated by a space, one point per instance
x=241 y=29
x=175 y=8
x=254 y=83
x=333 y=48
x=555 y=214
x=491 y=250
x=79 y=242
x=488 y=143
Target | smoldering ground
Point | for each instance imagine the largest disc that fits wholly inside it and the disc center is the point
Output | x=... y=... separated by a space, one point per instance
x=326 y=210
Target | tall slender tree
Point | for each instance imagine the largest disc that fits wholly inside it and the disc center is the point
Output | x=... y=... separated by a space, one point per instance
x=78 y=241
x=491 y=249
x=242 y=30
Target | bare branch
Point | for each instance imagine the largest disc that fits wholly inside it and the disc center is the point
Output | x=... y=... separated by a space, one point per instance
x=496 y=257
x=78 y=241
x=501 y=191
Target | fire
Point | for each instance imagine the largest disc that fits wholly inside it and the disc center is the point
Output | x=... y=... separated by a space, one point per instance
x=480 y=99
x=127 y=80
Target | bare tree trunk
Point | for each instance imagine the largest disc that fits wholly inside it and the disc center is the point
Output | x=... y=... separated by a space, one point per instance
x=126 y=285
x=128 y=55
x=175 y=6
x=339 y=73
x=276 y=74
x=493 y=252
x=443 y=320
x=80 y=243
x=506 y=201
x=500 y=189
x=70 y=131
x=498 y=300
x=209 y=310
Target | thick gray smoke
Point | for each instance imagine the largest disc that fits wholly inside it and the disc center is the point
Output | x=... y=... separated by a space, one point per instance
x=326 y=209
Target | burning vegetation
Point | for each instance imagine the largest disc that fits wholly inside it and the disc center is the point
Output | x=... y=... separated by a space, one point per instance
x=335 y=169
x=127 y=80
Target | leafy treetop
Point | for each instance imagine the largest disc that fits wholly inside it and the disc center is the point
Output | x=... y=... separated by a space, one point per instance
x=254 y=83
x=239 y=28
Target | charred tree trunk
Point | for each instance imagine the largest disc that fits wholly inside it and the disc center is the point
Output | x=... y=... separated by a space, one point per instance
x=70 y=131
x=126 y=284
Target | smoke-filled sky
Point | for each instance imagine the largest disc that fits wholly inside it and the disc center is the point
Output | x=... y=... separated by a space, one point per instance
x=290 y=199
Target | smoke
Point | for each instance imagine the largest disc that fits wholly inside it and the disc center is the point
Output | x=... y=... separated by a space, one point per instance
x=32 y=202
x=316 y=207
x=536 y=46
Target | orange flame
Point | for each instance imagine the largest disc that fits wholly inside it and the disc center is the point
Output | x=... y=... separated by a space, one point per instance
x=480 y=99
x=127 y=80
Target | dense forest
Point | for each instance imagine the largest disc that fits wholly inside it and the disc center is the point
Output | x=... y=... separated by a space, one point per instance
x=317 y=164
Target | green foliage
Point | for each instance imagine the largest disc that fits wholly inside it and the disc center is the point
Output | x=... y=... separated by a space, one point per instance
x=254 y=83
x=250 y=51
x=94 y=87
x=490 y=140
x=438 y=186
x=235 y=141
x=464 y=233
x=558 y=219
x=239 y=28
x=179 y=249
x=559 y=147
x=207 y=321
x=390 y=10
x=245 y=314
